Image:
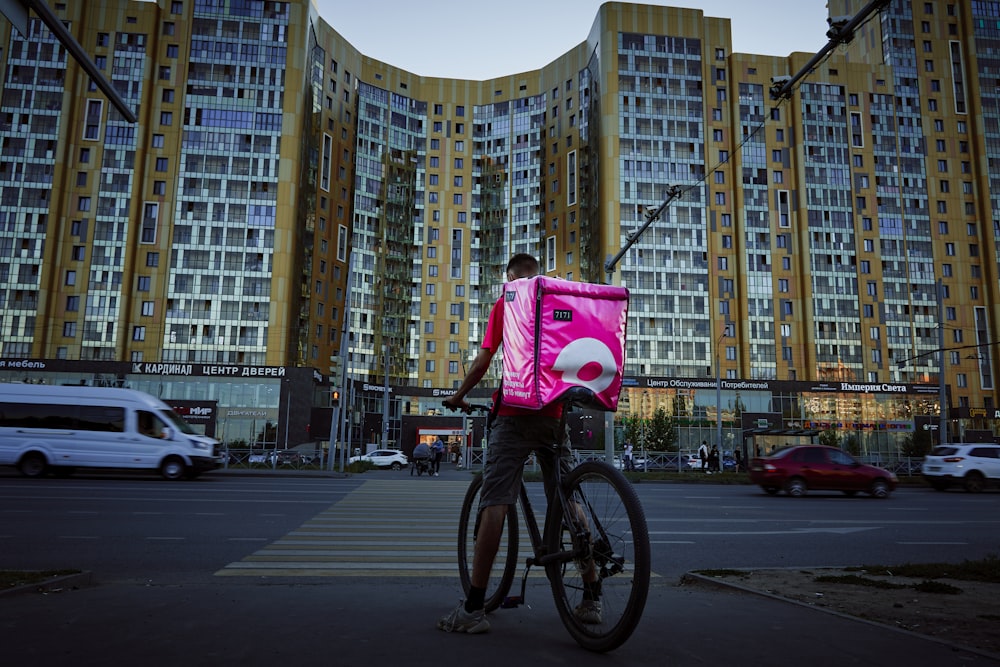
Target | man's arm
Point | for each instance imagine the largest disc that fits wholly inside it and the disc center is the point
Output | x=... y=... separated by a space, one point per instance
x=476 y=372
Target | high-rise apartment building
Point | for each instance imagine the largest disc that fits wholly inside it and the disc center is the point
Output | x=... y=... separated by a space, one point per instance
x=284 y=199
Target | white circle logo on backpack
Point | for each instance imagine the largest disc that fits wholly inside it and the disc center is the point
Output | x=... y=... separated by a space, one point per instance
x=581 y=353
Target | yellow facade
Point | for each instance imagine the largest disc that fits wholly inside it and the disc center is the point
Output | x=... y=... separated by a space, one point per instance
x=269 y=151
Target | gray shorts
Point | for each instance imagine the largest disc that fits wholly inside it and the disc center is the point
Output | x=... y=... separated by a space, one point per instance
x=512 y=440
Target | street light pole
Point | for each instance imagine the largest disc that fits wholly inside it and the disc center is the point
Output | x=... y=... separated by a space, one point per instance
x=718 y=394
x=942 y=394
x=385 y=401
x=718 y=401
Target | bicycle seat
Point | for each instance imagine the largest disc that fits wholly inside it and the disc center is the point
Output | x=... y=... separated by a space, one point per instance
x=581 y=397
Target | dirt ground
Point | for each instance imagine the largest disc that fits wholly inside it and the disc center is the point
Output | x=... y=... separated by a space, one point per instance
x=970 y=618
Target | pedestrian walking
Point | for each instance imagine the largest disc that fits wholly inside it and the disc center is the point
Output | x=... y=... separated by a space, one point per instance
x=437 y=449
x=627 y=457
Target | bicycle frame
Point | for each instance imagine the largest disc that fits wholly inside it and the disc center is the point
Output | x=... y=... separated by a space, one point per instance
x=580 y=536
x=535 y=537
x=594 y=531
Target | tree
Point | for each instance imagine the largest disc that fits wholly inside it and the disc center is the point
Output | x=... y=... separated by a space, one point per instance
x=632 y=427
x=917 y=444
x=661 y=431
x=829 y=438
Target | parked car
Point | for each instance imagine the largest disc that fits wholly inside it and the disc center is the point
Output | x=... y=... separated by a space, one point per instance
x=802 y=468
x=974 y=466
x=383 y=458
x=287 y=457
x=692 y=462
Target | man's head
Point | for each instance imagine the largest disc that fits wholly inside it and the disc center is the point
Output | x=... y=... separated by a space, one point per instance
x=522 y=265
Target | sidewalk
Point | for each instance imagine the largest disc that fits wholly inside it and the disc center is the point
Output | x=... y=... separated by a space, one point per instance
x=391 y=622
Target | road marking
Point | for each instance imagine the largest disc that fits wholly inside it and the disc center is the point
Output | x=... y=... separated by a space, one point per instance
x=793 y=531
x=366 y=534
x=247 y=539
x=78 y=537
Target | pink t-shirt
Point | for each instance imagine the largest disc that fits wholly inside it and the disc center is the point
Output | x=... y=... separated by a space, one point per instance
x=492 y=340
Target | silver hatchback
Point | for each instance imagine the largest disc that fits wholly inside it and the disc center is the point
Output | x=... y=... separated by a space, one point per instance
x=974 y=466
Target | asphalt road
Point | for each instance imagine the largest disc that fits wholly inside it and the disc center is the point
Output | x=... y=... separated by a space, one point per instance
x=239 y=570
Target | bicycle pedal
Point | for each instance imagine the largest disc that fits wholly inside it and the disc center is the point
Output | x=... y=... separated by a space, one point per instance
x=512 y=601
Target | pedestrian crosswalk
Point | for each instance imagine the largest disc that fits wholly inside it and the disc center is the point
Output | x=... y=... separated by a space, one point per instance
x=398 y=527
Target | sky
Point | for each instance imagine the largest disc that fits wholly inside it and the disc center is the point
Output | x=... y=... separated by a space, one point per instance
x=461 y=48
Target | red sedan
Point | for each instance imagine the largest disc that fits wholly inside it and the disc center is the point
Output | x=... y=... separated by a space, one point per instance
x=803 y=468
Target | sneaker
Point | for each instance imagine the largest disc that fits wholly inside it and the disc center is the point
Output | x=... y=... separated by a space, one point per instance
x=588 y=612
x=459 y=620
x=436 y=475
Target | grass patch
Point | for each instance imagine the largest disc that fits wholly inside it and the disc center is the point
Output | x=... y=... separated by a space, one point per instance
x=931 y=586
x=985 y=570
x=14 y=578
x=856 y=580
x=722 y=573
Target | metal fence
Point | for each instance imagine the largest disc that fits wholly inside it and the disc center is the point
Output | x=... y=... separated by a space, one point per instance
x=282 y=459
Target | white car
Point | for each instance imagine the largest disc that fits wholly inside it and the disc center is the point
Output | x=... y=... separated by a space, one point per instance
x=383 y=458
x=692 y=462
x=971 y=465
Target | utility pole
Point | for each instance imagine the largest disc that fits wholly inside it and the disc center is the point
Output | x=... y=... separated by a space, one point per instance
x=942 y=393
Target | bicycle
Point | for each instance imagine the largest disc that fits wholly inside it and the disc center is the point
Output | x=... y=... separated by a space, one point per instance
x=593 y=514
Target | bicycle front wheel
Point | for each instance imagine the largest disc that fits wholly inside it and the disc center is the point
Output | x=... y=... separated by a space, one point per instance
x=602 y=505
x=504 y=564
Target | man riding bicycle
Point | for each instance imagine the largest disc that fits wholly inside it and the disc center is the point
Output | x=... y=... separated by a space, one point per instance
x=515 y=434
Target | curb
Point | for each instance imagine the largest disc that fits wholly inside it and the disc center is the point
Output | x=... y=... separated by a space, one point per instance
x=703 y=580
x=53 y=585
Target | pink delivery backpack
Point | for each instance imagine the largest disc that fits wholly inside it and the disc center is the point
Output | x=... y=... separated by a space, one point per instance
x=559 y=334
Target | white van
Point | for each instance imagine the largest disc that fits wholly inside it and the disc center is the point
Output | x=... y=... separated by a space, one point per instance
x=57 y=429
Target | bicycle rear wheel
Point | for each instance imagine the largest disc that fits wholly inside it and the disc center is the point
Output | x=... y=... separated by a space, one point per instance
x=505 y=563
x=619 y=542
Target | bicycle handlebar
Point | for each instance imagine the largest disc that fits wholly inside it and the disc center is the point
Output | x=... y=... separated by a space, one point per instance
x=575 y=396
x=473 y=407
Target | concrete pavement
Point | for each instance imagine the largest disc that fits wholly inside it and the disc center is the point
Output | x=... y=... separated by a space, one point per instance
x=373 y=621
x=391 y=621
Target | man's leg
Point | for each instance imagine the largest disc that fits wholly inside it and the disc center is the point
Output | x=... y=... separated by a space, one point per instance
x=469 y=616
x=491 y=520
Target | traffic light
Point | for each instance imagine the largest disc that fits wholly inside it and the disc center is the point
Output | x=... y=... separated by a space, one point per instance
x=335 y=368
x=334 y=398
